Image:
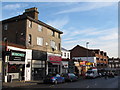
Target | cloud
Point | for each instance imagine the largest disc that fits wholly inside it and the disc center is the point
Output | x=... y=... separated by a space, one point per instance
x=58 y=23
x=106 y=39
x=86 y=7
x=14 y=6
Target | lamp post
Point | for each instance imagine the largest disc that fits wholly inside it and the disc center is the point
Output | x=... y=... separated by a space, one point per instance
x=46 y=63
x=87 y=49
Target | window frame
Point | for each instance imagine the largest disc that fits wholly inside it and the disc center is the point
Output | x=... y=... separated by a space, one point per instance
x=30 y=39
x=30 y=24
x=6 y=27
x=38 y=41
x=40 y=27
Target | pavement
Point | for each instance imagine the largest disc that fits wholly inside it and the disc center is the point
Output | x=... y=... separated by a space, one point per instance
x=24 y=83
x=20 y=83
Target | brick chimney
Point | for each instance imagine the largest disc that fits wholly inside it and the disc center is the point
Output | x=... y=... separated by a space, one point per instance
x=32 y=12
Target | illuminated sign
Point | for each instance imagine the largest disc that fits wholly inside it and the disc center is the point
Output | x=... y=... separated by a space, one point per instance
x=17 y=56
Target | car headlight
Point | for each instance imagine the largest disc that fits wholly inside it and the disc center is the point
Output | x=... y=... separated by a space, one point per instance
x=91 y=74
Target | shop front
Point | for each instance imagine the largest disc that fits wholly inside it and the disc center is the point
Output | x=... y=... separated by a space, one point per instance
x=38 y=64
x=16 y=65
x=54 y=64
x=64 y=66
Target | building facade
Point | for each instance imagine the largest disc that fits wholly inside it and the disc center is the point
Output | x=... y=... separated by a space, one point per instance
x=44 y=41
x=85 y=58
x=65 y=60
x=114 y=64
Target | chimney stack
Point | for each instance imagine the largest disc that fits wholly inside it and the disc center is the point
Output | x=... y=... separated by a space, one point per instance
x=32 y=12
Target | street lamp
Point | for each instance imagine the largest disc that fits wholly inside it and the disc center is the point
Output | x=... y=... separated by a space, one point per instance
x=87 y=49
x=46 y=63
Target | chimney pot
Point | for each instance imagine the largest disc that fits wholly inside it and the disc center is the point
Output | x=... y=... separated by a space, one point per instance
x=32 y=12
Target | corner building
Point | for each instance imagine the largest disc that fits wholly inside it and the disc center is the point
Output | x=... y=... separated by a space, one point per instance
x=44 y=41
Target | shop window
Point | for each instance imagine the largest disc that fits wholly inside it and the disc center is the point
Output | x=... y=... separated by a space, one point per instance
x=40 y=41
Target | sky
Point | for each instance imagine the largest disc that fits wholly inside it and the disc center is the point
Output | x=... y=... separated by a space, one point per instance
x=81 y=22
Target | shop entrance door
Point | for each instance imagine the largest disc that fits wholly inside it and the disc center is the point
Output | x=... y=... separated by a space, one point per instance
x=22 y=72
x=39 y=73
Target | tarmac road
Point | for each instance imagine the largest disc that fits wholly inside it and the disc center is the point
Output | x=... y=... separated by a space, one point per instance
x=83 y=83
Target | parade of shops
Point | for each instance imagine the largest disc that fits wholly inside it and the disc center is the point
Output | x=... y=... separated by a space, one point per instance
x=32 y=49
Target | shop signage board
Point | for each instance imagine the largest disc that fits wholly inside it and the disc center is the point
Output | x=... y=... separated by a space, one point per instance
x=90 y=59
x=55 y=58
x=17 y=56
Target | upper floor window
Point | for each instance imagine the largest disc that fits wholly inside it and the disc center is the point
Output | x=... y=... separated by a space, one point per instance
x=30 y=24
x=39 y=28
x=29 y=39
x=67 y=55
x=64 y=54
x=40 y=41
x=59 y=46
x=5 y=26
x=53 y=33
x=52 y=44
x=58 y=35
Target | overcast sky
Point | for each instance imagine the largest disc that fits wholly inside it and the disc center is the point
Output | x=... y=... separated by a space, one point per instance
x=81 y=22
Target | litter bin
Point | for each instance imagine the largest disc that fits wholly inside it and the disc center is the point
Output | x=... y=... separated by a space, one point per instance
x=9 y=78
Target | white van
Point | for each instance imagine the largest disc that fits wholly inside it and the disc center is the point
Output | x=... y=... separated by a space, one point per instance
x=93 y=73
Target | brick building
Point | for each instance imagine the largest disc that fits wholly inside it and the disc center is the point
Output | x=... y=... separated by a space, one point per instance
x=86 y=58
x=44 y=40
x=114 y=64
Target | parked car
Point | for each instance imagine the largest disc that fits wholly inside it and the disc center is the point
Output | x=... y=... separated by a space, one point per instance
x=54 y=79
x=111 y=74
x=91 y=73
x=100 y=74
x=70 y=77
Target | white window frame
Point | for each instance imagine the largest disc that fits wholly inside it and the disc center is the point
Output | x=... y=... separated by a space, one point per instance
x=40 y=41
x=40 y=28
x=30 y=24
x=52 y=44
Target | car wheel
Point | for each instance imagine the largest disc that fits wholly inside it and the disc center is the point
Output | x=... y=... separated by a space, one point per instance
x=63 y=81
x=56 y=82
x=71 y=80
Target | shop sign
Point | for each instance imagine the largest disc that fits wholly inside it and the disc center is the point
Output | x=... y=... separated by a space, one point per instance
x=55 y=58
x=89 y=63
x=82 y=63
x=17 y=56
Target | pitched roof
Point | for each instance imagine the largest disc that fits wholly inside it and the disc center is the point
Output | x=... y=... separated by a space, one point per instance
x=24 y=16
x=64 y=49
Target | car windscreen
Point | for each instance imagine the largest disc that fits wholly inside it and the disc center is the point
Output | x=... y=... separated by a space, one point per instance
x=89 y=72
x=71 y=74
